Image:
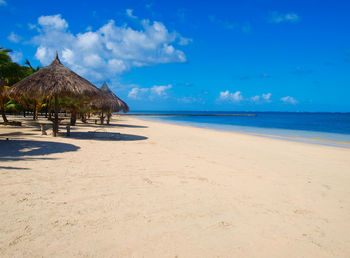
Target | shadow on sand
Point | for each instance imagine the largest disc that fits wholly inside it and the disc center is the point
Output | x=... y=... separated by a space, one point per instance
x=101 y=135
x=12 y=134
x=13 y=168
x=110 y=125
x=14 y=150
x=126 y=126
x=106 y=136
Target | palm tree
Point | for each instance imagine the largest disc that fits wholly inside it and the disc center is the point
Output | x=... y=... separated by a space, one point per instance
x=13 y=106
x=4 y=56
x=2 y=100
x=10 y=73
x=74 y=106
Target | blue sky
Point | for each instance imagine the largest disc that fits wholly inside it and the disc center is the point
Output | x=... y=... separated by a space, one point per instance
x=186 y=55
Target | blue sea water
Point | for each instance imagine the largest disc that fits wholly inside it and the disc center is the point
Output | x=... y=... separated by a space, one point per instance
x=322 y=128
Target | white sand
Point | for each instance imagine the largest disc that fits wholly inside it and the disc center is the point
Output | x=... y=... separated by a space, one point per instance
x=182 y=192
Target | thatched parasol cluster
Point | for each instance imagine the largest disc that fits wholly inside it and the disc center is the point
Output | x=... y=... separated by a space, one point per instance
x=110 y=104
x=113 y=103
x=57 y=81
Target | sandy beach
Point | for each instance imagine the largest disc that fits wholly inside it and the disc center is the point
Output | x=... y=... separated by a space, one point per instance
x=149 y=189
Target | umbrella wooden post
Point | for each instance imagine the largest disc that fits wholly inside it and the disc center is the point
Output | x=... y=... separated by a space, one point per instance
x=55 y=122
x=3 y=113
x=102 y=118
x=68 y=130
x=34 y=111
x=108 y=118
x=43 y=130
x=73 y=117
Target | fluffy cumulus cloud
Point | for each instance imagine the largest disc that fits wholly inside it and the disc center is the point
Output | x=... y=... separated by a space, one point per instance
x=13 y=37
x=231 y=96
x=289 y=100
x=108 y=51
x=262 y=99
x=53 y=22
x=276 y=17
x=137 y=93
x=160 y=90
x=237 y=97
x=150 y=93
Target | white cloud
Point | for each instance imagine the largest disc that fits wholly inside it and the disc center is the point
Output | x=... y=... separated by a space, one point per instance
x=53 y=22
x=289 y=100
x=229 y=96
x=262 y=99
x=267 y=96
x=184 y=41
x=150 y=93
x=14 y=37
x=16 y=56
x=160 y=90
x=3 y=2
x=137 y=93
x=255 y=98
x=108 y=51
x=129 y=13
x=276 y=17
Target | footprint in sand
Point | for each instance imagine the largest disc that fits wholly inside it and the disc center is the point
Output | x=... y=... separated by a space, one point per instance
x=22 y=200
x=302 y=212
x=222 y=224
x=327 y=187
x=147 y=180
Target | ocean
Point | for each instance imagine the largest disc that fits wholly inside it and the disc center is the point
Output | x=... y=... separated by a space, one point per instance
x=331 y=129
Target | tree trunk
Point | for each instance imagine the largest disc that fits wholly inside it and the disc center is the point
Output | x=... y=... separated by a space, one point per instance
x=102 y=118
x=108 y=118
x=3 y=113
x=73 y=117
x=47 y=107
x=34 y=111
x=55 y=122
x=50 y=110
x=83 y=117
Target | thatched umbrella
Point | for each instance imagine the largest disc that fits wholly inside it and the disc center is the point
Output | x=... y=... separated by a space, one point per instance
x=112 y=103
x=115 y=103
x=54 y=81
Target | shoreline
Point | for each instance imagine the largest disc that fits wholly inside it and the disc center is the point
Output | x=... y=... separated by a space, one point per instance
x=315 y=137
x=142 y=188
